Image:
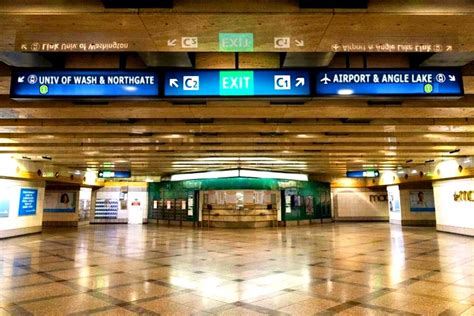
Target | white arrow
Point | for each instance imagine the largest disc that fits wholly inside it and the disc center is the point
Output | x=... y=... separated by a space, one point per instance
x=24 y=47
x=300 y=82
x=174 y=83
x=452 y=78
x=172 y=42
x=299 y=43
x=21 y=79
x=449 y=48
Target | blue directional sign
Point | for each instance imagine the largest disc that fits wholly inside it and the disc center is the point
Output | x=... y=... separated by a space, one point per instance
x=48 y=84
x=231 y=83
x=363 y=174
x=105 y=174
x=389 y=82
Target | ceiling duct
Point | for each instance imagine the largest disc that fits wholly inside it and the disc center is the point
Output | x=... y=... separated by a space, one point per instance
x=28 y=60
x=448 y=60
x=114 y=4
x=334 y=4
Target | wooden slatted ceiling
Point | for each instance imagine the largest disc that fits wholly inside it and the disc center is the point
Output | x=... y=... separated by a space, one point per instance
x=157 y=138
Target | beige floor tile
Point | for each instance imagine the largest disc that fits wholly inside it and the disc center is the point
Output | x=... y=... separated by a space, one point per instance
x=166 y=306
x=308 y=307
x=239 y=311
x=281 y=301
x=37 y=291
x=362 y=311
x=107 y=280
x=135 y=292
x=469 y=312
x=65 y=305
x=115 y=312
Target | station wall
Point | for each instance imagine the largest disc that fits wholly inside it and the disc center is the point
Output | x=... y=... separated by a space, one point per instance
x=360 y=204
x=16 y=219
x=454 y=200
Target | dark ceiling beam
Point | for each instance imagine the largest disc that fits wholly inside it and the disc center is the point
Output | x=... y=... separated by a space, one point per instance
x=137 y=3
x=334 y=4
x=15 y=59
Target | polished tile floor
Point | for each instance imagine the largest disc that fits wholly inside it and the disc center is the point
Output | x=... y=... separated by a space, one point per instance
x=346 y=269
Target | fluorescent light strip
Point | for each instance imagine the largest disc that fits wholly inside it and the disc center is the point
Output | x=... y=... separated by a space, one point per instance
x=273 y=175
x=205 y=175
x=241 y=173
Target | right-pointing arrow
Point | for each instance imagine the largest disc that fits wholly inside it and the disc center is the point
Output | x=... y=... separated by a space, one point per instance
x=452 y=78
x=174 y=83
x=300 y=82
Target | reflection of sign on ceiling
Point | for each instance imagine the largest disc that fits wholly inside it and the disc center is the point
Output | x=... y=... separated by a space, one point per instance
x=236 y=42
x=210 y=83
x=83 y=83
x=464 y=196
x=106 y=46
x=391 y=47
x=389 y=82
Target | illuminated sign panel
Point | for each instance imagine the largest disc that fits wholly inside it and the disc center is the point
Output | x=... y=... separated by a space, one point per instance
x=363 y=174
x=216 y=83
x=106 y=174
x=389 y=82
x=51 y=84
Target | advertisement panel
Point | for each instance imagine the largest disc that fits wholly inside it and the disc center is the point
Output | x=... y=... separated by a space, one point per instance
x=422 y=201
x=60 y=202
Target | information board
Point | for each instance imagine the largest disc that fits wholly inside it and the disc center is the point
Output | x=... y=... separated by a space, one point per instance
x=363 y=174
x=389 y=82
x=225 y=83
x=105 y=174
x=54 y=84
x=28 y=202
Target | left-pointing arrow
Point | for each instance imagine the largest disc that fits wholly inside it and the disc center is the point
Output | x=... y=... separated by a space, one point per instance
x=21 y=79
x=172 y=42
x=300 y=82
x=174 y=83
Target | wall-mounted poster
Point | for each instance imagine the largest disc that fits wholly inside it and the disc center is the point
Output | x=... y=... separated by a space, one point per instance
x=394 y=200
x=422 y=201
x=28 y=202
x=309 y=205
x=5 y=202
x=60 y=202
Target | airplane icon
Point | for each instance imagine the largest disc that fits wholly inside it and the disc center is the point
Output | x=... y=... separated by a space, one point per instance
x=325 y=80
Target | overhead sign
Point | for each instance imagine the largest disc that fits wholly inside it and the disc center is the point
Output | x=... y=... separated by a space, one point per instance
x=34 y=84
x=107 y=174
x=28 y=202
x=363 y=174
x=389 y=82
x=215 y=83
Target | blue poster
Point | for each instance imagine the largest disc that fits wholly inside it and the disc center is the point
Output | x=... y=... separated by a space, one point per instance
x=28 y=202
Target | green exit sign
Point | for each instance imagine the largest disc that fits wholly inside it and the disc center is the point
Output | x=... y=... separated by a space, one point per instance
x=236 y=42
x=236 y=82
